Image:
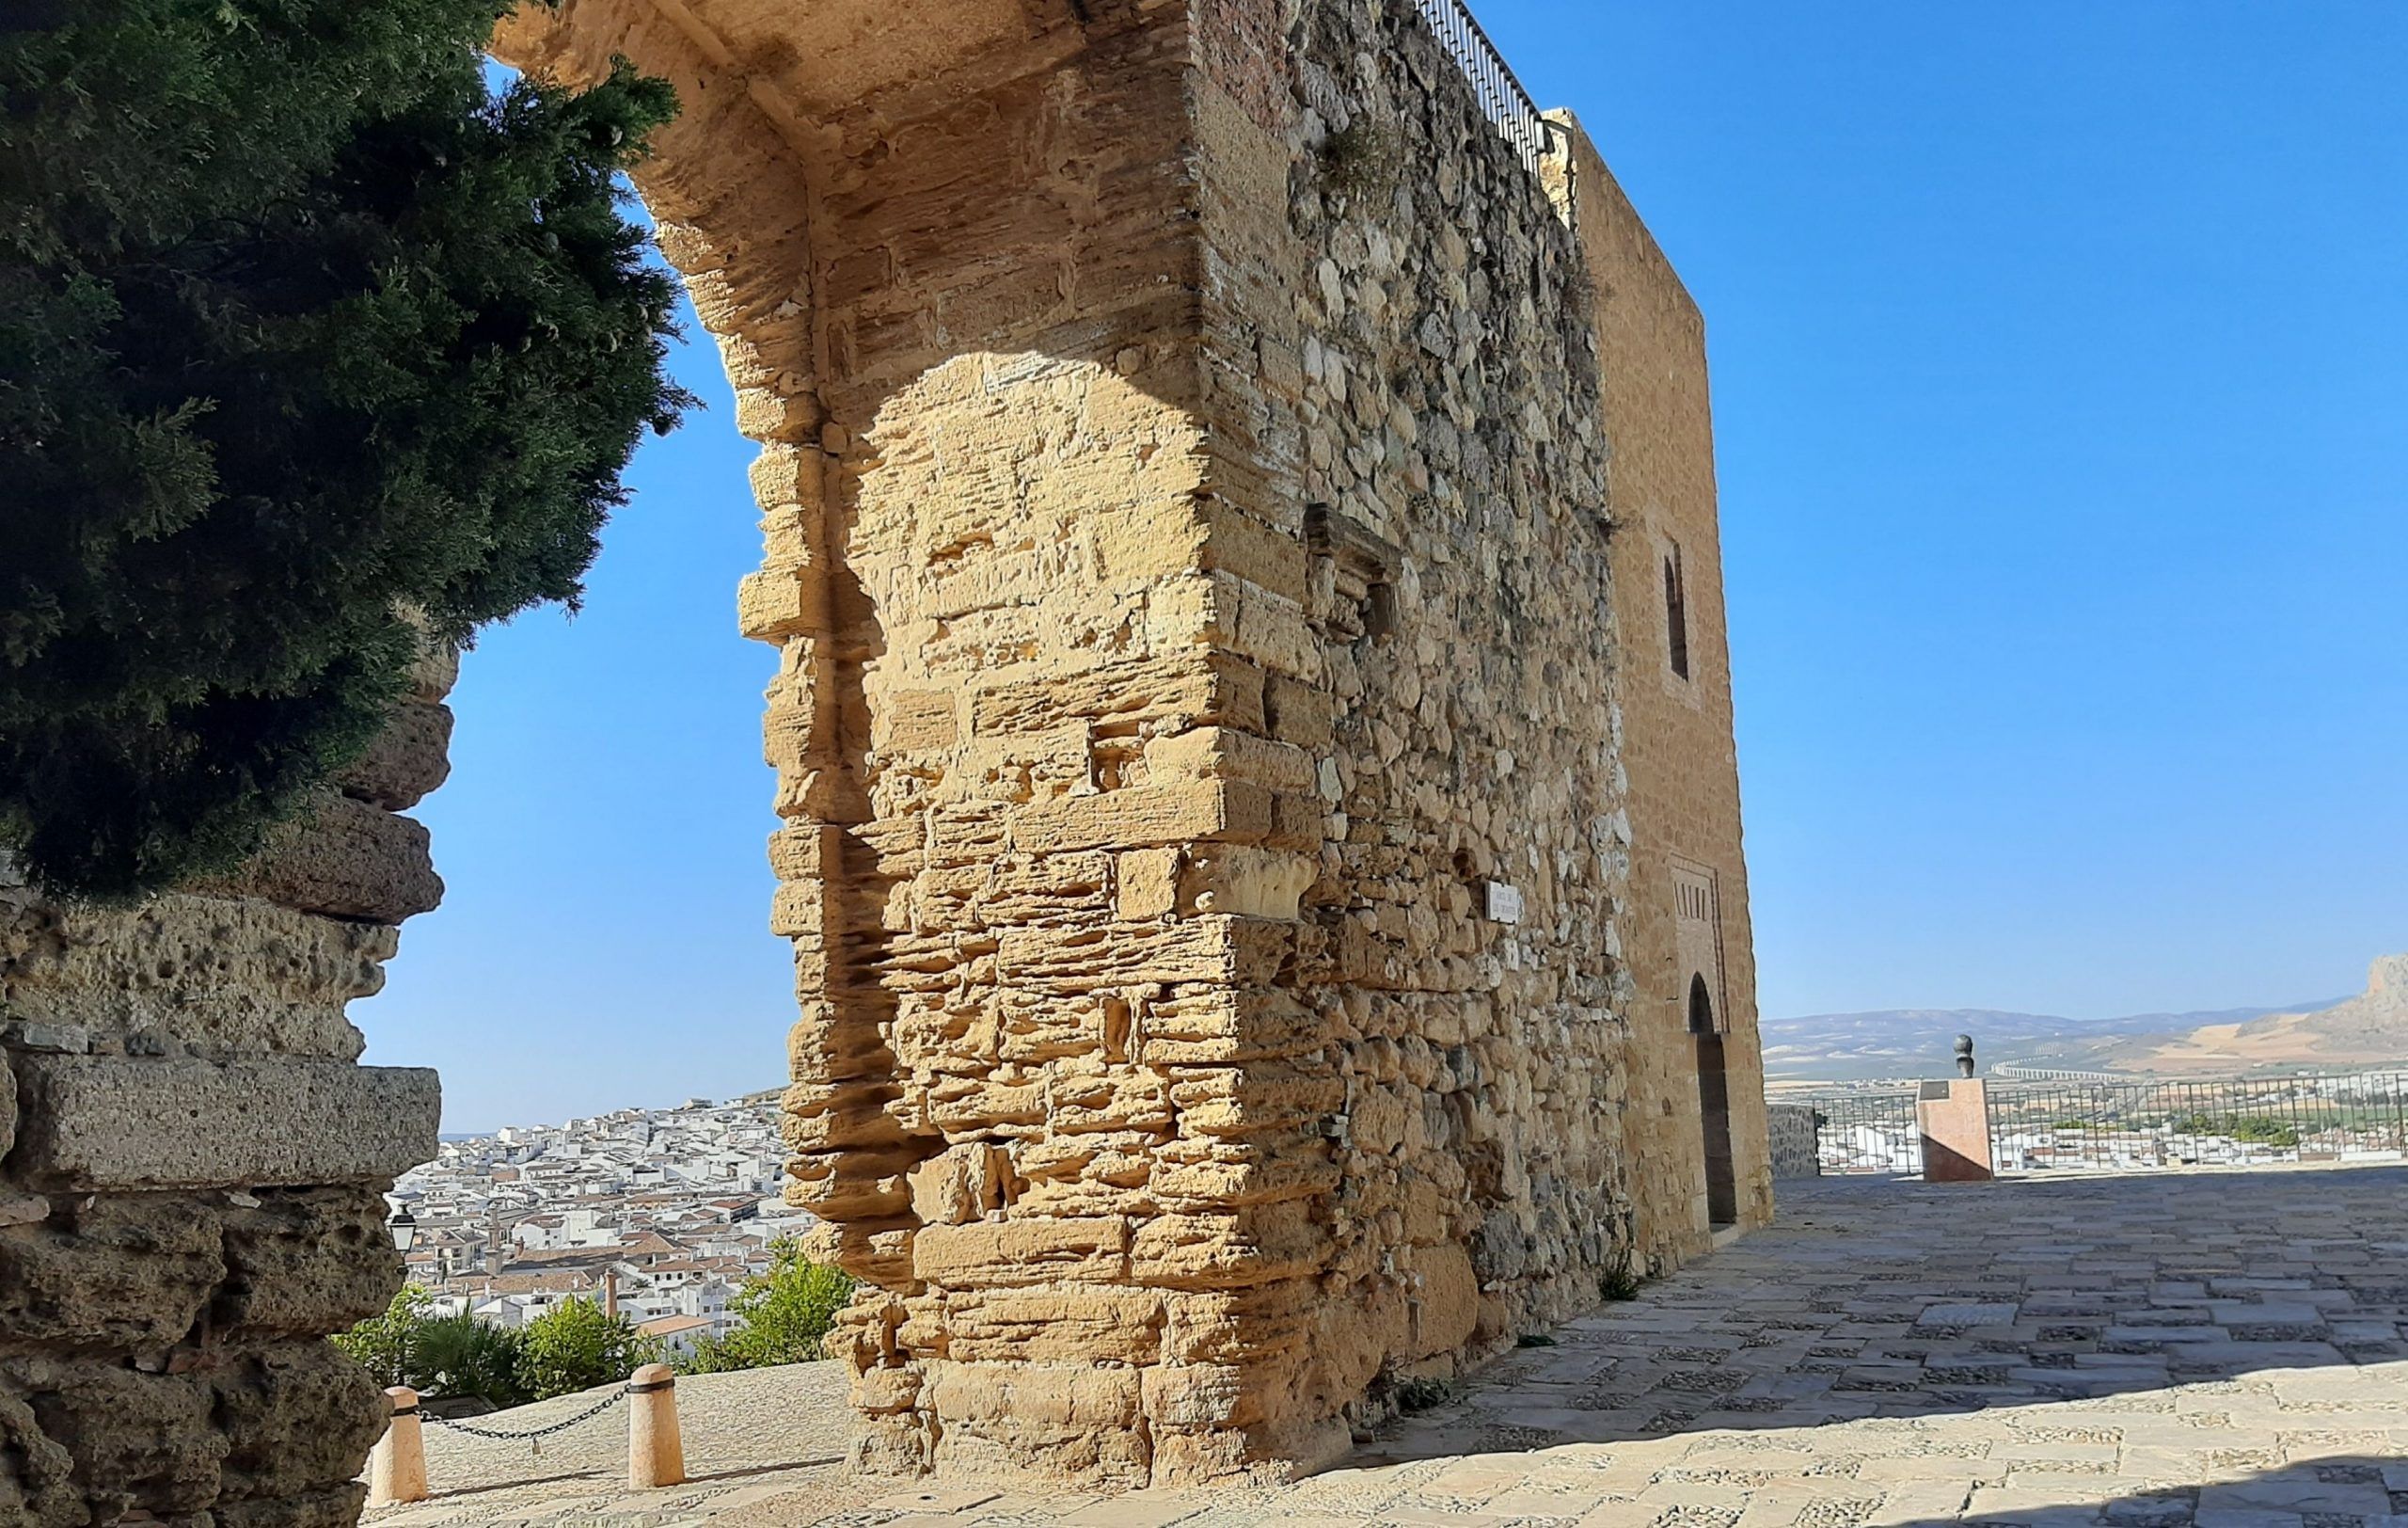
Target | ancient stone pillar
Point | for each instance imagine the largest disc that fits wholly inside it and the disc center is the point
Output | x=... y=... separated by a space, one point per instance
x=191 y=1168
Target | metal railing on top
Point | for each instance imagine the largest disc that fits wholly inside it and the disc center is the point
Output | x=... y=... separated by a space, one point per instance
x=1865 y=1130
x=1492 y=80
x=2147 y=1123
x=2132 y=1124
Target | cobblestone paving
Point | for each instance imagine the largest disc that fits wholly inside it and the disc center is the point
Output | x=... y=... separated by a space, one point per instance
x=2154 y=1351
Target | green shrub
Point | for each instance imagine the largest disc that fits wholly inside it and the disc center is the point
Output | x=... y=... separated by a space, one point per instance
x=387 y=1345
x=459 y=1355
x=784 y=1316
x=1620 y=1281
x=574 y=1346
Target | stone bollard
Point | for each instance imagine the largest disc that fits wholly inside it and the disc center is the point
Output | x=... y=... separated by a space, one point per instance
x=397 y=1468
x=655 y=1452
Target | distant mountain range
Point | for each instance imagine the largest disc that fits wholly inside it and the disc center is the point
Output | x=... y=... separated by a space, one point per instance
x=1922 y=1042
x=2366 y=1030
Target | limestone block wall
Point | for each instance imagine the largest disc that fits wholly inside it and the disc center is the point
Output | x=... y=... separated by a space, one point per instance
x=1041 y=835
x=192 y=1167
x=1689 y=925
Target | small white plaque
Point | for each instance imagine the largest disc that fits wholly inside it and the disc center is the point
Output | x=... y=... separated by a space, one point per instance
x=1504 y=902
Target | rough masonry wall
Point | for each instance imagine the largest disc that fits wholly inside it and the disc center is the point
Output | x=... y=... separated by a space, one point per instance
x=1794 y=1143
x=1404 y=379
x=191 y=1168
x=1043 y=833
x=1677 y=745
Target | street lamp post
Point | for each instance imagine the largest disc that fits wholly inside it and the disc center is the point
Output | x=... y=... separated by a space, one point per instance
x=405 y=1229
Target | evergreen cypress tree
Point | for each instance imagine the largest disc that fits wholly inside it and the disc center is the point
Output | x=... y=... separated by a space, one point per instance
x=305 y=337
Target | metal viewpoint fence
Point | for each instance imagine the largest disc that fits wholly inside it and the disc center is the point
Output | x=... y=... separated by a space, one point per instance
x=1866 y=1130
x=2150 y=1123
x=1492 y=80
x=2132 y=1125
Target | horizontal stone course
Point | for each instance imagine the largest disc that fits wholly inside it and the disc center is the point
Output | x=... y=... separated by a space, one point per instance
x=348 y=859
x=118 y=1122
x=406 y=761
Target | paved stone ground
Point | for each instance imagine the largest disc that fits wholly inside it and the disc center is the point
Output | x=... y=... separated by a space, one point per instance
x=2150 y=1351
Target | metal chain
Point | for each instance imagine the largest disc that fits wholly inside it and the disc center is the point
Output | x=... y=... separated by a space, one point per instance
x=533 y=1433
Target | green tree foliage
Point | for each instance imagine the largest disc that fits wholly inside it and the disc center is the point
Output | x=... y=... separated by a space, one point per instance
x=574 y=1346
x=2281 y=1134
x=387 y=1345
x=783 y=1316
x=304 y=335
x=2265 y=1131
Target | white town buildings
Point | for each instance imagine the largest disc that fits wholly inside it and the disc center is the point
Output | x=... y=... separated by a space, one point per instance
x=659 y=1214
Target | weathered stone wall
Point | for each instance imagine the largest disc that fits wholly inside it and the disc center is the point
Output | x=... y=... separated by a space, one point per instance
x=191 y=1168
x=1185 y=494
x=1186 y=488
x=1790 y=1132
x=1406 y=381
x=1029 y=795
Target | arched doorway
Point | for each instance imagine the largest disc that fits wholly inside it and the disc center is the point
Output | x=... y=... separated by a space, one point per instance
x=1714 y=1108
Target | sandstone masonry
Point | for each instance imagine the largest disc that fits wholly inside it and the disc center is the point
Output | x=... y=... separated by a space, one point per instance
x=1248 y=873
x=191 y=1168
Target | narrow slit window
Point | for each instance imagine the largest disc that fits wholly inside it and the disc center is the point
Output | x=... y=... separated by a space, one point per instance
x=1676 y=613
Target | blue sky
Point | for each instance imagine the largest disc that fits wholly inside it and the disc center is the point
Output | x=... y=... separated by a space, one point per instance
x=2061 y=375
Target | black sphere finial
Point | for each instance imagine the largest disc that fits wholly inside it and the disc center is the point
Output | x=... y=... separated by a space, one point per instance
x=1964 y=1055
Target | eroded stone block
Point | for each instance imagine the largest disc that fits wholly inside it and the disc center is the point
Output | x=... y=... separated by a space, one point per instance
x=126 y=1273
x=406 y=761
x=305 y=1262
x=122 y=1123
x=348 y=860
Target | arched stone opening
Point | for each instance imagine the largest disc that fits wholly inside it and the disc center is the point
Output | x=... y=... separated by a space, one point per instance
x=1714 y=1107
x=1199 y=741
x=953 y=270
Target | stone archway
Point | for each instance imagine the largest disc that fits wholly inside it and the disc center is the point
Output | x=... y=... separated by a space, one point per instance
x=1714 y=1107
x=1199 y=748
x=955 y=270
